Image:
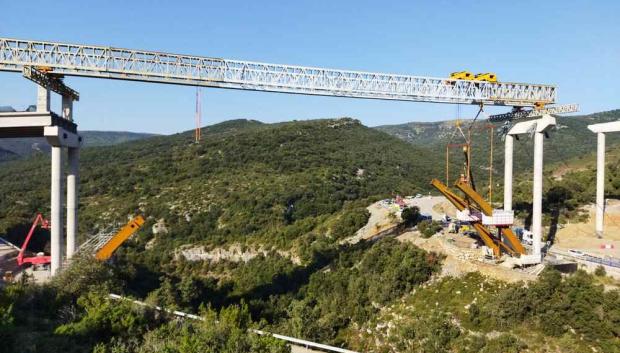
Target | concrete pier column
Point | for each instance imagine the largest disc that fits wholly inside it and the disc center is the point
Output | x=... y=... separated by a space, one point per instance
x=600 y=183
x=67 y=108
x=73 y=178
x=537 y=193
x=43 y=99
x=56 y=218
x=508 y=152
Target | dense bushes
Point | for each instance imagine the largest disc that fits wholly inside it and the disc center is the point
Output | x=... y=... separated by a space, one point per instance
x=557 y=306
x=92 y=322
x=353 y=287
x=319 y=301
x=429 y=228
x=223 y=332
x=350 y=222
x=554 y=313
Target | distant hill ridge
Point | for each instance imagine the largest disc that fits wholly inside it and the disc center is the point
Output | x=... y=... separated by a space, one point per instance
x=11 y=149
x=570 y=139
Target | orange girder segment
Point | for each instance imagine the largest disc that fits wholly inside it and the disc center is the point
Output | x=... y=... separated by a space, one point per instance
x=119 y=238
x=460 y=204
x=487 y=209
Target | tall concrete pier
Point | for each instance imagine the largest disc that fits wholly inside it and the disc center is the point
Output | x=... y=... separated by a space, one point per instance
x=508 y=169
x=601 y=130
x=538 y=128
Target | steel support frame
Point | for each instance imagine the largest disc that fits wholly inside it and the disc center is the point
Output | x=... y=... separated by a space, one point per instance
x=534 y=113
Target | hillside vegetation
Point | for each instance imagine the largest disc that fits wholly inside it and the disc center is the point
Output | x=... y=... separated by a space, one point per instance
x=286 y=194
x=246 y=181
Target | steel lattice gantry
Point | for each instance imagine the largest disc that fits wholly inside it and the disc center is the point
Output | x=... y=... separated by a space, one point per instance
x=138 y=65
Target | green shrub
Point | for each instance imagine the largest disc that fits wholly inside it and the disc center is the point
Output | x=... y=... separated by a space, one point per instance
x=410 y=216
x=429 y=228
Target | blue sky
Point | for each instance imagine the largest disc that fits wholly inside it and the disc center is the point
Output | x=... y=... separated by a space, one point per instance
x=572 y=44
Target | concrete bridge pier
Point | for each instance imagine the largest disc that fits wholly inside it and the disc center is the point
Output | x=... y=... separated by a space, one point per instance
x=56 y=218
x=56 y=189
x=73 y=156
x=60 y=132
x=537 y=193
x=72 y=199
x=508 y=151
x=538 y=128
x=601 y=130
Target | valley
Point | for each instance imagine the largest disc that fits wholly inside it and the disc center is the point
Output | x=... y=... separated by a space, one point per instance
x=277 y=221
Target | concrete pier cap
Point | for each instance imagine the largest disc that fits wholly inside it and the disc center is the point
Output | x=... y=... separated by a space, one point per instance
x=539 y=125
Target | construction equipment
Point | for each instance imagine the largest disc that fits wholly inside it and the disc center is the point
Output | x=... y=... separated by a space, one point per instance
x=485 y=234
x=106 y=251
x=40 y=76
x=44 y=69
x=462 y=75
x=519 y=113
x=486 y=77
x=40 y=258
x=102 y=247
x=487 y=209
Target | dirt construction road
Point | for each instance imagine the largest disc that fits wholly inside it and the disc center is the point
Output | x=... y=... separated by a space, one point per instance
x=582 y=235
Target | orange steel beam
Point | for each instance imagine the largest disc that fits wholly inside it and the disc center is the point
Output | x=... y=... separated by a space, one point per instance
x=487 y=209
x=461 y=204
x=119 y=238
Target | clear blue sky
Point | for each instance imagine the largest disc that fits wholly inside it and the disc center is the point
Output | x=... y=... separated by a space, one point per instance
x=572 y=44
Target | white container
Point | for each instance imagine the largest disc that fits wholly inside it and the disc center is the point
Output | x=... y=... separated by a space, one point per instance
x=499 y=218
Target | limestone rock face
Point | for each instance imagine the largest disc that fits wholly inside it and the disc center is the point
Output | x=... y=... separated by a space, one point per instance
x=160 y=227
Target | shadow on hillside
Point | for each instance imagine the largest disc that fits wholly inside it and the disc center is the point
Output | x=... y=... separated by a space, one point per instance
x=527 y=208
x=553 y=228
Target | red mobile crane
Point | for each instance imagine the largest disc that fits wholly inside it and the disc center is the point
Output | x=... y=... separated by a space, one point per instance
x=35 y=260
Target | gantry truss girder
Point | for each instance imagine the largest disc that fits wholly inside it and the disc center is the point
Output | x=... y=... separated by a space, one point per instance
x=148 y=66
x=535 y=113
